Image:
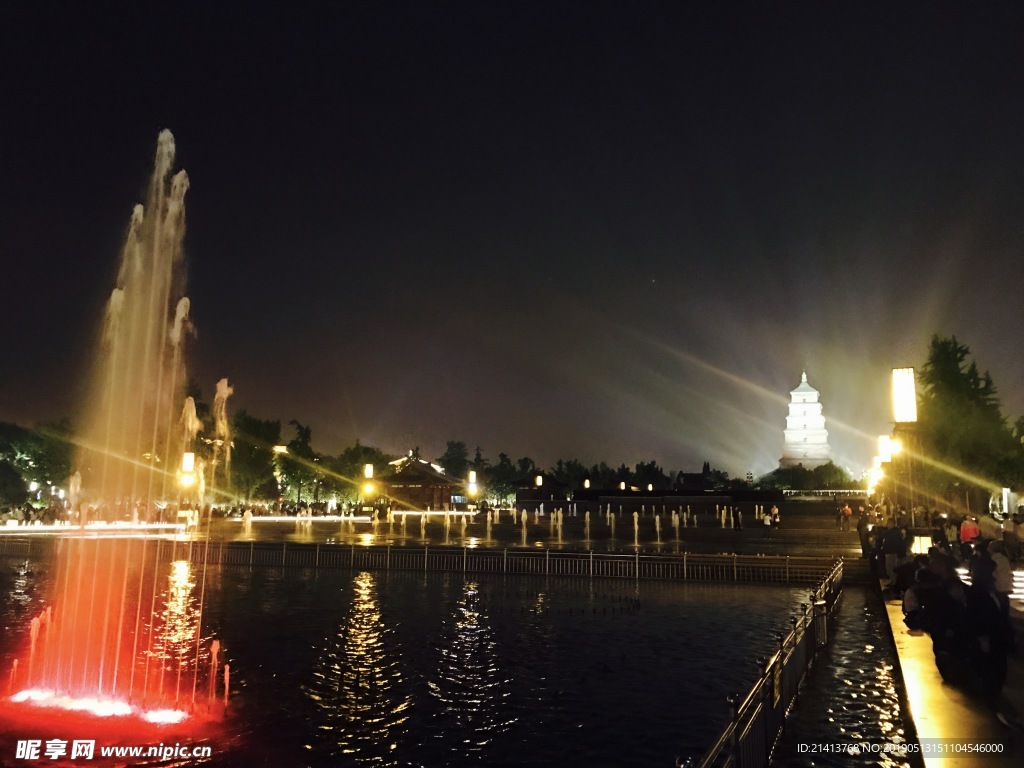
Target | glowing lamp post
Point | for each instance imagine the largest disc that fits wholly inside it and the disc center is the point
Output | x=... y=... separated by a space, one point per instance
x=904 y=396
x=472 y=488
x=904 y=414
x=885 y=448
x=187 y=478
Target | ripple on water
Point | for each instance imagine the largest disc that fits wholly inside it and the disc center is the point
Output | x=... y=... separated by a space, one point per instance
x=853 y=694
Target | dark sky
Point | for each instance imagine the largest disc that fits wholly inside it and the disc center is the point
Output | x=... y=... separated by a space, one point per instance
x=612 y=231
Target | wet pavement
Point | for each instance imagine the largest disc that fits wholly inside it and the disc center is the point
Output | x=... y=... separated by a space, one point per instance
x=956 y=726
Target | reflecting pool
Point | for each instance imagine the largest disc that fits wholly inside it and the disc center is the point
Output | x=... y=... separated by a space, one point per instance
x=402 y=669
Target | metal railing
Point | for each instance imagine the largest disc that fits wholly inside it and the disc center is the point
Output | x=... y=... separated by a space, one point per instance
x=756 y=721
x=685 y=566
x=547 y=562
x=24 y=546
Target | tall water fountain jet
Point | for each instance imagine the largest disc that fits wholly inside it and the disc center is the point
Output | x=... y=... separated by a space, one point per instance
x=130 y=440
x=123 y=631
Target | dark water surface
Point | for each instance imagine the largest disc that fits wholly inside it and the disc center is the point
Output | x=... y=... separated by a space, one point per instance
x=354 y=668
x=853 y=693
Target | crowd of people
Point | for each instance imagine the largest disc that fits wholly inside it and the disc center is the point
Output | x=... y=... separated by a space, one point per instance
x=968 y=620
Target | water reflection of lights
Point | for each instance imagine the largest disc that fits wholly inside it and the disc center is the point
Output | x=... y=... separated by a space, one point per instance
x=97 y=527
x=358 y=685
x=292 y=518
x=97 y=706
x=469 y=681
x=177 y=637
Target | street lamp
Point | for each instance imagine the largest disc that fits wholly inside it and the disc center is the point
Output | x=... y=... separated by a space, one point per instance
x=885 y=448
x=904 y=413
x=471 y=487
x=187 y=476
x=186 y=479
x=368 y=486
x=904 y=396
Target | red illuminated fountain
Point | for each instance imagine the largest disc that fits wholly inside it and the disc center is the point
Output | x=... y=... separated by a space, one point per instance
x=122 y=635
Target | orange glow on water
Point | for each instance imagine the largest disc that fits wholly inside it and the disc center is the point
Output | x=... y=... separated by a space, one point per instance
x=97 y=706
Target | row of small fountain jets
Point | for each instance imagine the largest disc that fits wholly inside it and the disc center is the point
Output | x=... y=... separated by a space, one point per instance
x=725 y=516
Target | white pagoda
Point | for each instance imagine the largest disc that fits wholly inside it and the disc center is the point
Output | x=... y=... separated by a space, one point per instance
x=806 y=439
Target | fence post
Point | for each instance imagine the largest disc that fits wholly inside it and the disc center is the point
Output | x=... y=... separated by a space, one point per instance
x=820 y=623
x=251 y=544
x=504 y=560
x=787 y=569
x=352 y=558
x=316 y=561
x=465 y=554
x=425 y=548
x=591 y=563
x=547 y=562
x=733 y=738
x=284 y=552
x=684 y=565
x=734 y=576
x=637 y=561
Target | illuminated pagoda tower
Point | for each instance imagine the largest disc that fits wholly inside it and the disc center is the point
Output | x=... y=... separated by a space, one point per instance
x=805 y=436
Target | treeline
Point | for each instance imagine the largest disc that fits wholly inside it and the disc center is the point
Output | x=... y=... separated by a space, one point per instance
x=966 y=446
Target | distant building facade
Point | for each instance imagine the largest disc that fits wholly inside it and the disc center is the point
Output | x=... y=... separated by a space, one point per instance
x=419 y=485
x=805 y=439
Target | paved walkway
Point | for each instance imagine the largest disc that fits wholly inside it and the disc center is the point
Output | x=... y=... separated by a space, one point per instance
x=945 y=716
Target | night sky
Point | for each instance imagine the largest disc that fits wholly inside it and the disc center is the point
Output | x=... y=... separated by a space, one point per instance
x=611 y=231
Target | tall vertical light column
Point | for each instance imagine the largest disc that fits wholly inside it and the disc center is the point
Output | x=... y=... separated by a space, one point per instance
x=904 y=413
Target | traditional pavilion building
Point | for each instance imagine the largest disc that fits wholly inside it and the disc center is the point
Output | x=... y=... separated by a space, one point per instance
x=419 y=485
x=805 y=436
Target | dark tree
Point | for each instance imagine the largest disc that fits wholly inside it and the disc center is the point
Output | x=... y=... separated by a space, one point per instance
x=252 y=457
x=479 y=463
x=831 y=476
x=502 y=479
x=43 y=454
x=299 y=465
x=623 y=475
x=455 y=459
x=13 y=488
x=602 y=476
x=570 y=472
x=526 y=466
x=961 y=427
x=344 y=475
x=649 y=473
